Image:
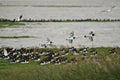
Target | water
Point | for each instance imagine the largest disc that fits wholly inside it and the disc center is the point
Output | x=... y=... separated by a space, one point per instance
x=107 y=34
x=59 y=9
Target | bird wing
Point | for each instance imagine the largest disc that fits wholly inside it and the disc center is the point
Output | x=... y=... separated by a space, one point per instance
x=113 y=7
x=92 y=33
x=71 y=34
x=48 y=40
x=90 y=38
x=70 y=40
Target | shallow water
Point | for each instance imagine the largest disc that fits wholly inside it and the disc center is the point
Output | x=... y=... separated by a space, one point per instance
x=59 y=9
x=107 y=34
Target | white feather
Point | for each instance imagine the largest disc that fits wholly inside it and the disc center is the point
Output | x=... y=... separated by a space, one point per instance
x=5 y=52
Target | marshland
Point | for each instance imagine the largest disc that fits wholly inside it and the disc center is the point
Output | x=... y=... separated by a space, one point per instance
x=34 y=40
x=60 y=63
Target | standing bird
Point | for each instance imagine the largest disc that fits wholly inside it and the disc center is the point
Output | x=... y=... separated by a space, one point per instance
x=20 y=17
x=71 y=37
x=5 y=52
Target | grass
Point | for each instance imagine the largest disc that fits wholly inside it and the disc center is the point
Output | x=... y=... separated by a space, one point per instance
x=72 y=20
x=62 y=20
x=10 y=24
x=96 y=68
x=15 y=37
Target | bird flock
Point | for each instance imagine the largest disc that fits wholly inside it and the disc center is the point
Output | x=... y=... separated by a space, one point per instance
x=48 y=55
x=25 y=55
x=71 y=37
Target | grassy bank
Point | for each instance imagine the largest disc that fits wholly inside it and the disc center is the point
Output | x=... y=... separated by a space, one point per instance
x=9 y=24
x=63 y=20
x=100 y=67
x=15 y=37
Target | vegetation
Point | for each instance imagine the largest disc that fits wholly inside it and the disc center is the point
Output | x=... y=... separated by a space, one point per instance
x=9 y=24
x=66 y=20
x=100 y=67
x=13 y=37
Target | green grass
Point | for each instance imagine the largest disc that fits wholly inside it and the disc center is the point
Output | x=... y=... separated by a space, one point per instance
x=15 y=37
x=96 y=68
x=10 y=24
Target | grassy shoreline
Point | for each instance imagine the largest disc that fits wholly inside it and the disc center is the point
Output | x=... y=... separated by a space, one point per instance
x=10 y=24
x=15 y=37
x=62 y=20
x=101 y=67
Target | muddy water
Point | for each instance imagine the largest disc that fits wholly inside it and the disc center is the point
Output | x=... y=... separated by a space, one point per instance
x=107 y=34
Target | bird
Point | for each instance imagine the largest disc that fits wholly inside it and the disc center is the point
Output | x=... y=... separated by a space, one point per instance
x=5 y=52
x=71 y=37
x=108 y=10
x=20 y=17
x=90 y=36
x=43 y=45
x=49 y=42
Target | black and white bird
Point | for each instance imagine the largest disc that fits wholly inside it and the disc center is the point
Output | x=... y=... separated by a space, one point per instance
x=43 y=45
x=90 y=36
x=71 y=37
x=20 y=18
x=49 y=42
x=112 y=51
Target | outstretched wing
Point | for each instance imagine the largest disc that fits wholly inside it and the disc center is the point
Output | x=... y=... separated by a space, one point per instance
x=48 y=40
x=71 y=34
x=90 y=38
x=70 y=41
x=92 y=33
x=108 y=10
x=113 y=7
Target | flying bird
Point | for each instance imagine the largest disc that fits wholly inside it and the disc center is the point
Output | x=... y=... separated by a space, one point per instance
x=49 y=42
x=108 y=10
x=90 y=36
x=71 y=37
